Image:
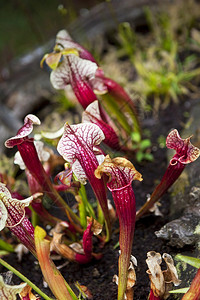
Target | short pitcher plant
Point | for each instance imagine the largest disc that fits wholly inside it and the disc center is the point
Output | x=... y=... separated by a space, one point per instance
x=121 y=173
x=185 y=154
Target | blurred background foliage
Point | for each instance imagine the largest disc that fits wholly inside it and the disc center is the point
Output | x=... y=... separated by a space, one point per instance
x=28 y=24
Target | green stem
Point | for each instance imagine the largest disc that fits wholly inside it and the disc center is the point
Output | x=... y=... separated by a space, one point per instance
x=82 y=212
x=114 y=109
x=101 y=218
x=88 y=206
x=34 y=217
x=55 y=196
x=23 y=278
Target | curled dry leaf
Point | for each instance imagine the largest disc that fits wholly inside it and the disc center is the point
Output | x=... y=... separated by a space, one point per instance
x=76 y=252
x=96 y=227
x=131 y=279
x=26 y=293
x=115 y=279
x=85 y=292
x=155 y=273
x=9 y=292
x=155 y=209
x=20 y=249
x=77 y=248
x=170 y=275
x=131 y=273
x=161 y=281
x=61 y=248
x=59 y=228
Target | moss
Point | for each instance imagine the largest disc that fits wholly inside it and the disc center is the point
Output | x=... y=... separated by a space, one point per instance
x=181 y=184
x=197 y=231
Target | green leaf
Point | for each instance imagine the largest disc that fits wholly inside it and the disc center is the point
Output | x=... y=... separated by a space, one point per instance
x=139 y=156
x=145 y=144
x=136 y=137
x=116 y=245
x=6 y=246
x=148 y=156
x=112 y=108
x=3 y=253
x=161 y=141
x=127 y=39
x=82 y=214
x=193 y=261
x=179 y=291
x=87 y=204
x=52 y=275
x=101 y=218
x=85 y=208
